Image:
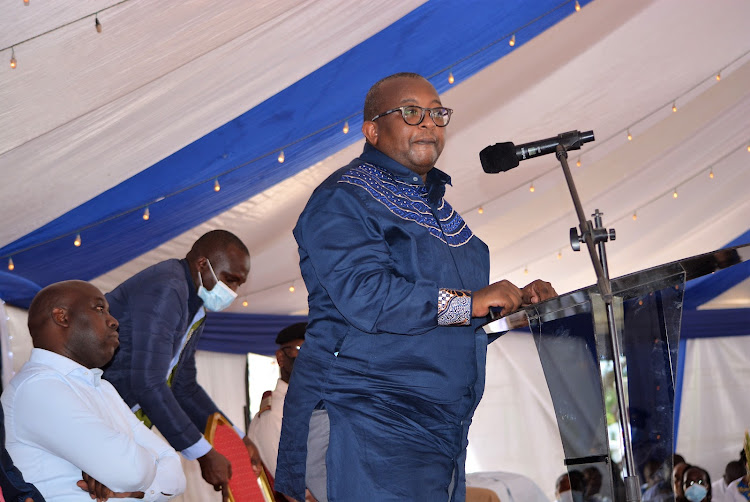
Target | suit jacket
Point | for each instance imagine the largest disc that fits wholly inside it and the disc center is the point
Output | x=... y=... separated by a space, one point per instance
x=12 y=484
x=155 y=308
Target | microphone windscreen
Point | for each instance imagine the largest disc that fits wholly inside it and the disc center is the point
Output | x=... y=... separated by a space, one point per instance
x=498 y=157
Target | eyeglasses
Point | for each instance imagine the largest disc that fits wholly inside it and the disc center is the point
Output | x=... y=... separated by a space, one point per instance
x=414 y=115
x=291 y=350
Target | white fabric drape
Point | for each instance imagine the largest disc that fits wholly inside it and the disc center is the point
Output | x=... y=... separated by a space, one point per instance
x=715 y=410
x=514 y=427
x=223 y=377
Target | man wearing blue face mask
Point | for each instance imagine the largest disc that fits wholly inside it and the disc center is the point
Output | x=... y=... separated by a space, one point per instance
x=161 y=311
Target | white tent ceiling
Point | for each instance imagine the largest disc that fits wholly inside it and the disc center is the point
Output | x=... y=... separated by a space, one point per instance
x=86 y=123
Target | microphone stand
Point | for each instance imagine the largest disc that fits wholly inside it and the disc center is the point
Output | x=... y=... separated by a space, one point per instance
x=595 y=235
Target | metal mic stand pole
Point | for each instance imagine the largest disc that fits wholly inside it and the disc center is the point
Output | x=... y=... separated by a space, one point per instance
x=596 y=235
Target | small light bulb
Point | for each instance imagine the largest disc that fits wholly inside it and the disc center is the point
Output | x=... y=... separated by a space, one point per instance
x=630 y=136
x=674 y=194
x=11 y=265
x=578 y=6
x=526 y=271
x=77 y=242
x=450 y=78
x=480 y=210
x=291 y=288
x=146 y=214
x=512 y=40
x=281 y=157
x=635 y=216
x=718 y=76
x=578 y=162
x=97 y=24
x=559 y=255
x=711 y=173
x=674 y=107
x=346 y=127
x=748 y=148
x=244 y=304
x=531 y=188
x=217 y=187
x=13 y=62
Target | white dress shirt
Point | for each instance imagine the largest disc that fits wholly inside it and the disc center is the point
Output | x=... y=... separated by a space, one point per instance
x=718 y=490
x=265 y=428
x=61 y=418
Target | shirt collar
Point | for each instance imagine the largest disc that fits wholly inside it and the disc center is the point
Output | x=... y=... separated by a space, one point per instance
x=194 y=301
x=66 y=366
x=436 y=179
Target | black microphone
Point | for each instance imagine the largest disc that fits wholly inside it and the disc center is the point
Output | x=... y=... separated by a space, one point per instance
x=506 y=156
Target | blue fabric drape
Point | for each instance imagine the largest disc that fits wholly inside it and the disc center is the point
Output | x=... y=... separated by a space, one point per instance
x=243 y=333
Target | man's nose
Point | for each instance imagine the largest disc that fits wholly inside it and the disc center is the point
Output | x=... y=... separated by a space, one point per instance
x=113 y=323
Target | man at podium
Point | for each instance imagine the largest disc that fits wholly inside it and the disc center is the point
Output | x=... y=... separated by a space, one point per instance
x=384 y=389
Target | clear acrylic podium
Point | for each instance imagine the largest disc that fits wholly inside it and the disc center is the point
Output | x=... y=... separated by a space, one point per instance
x=572 y=340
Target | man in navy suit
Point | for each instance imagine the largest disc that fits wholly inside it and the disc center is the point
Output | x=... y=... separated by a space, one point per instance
x=162 y=310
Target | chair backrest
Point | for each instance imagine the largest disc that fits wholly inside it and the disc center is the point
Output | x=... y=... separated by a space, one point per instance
x=244 y=486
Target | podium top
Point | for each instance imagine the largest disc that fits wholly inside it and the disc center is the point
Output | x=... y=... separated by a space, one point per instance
x=650 y=279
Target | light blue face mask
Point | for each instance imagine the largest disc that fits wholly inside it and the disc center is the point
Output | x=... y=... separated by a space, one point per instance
x=696 y=493
x=220 y=297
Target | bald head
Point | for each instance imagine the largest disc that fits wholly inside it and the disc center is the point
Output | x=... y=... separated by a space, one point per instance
x=71 y=318
x=374 y=100
x=58 y=295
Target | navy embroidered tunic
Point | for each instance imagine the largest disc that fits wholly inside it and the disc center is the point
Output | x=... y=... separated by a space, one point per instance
x=385 y=260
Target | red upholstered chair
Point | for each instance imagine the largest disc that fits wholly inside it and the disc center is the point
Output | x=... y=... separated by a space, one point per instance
x=244 y=486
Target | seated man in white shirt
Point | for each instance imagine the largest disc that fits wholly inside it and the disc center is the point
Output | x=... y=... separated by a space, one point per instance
x=265 y=428
x=68 y=430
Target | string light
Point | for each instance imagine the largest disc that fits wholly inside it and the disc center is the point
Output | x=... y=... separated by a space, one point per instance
x=711 y=173
x=512 y=40
x=635 y=215
x=674 y=194
x=531 y=188
x=559 y=255
x=578 y=6
x=291 y=288
x=13 y=62
x=77 y=242
x=718 y=76
x=748 y=148
x=630 y=136
x=674 y=107
x=98 y=24
x=11 y=265
x=146 y=214
x=578 y=162
x=281 y=157
x=244 y=304
x=217 y=187
x=450 y=78
x=480 y=210
x=346 y=127
x=526 y=270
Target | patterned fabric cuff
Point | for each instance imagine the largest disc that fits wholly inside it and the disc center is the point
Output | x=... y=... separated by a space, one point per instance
x=454 y=307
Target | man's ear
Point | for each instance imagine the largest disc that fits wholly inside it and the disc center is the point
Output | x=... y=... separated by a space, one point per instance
x=279 y=356
x=370 y=130
x=60 y=316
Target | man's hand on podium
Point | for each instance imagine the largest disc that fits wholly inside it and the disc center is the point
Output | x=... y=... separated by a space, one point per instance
x=506 y=295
